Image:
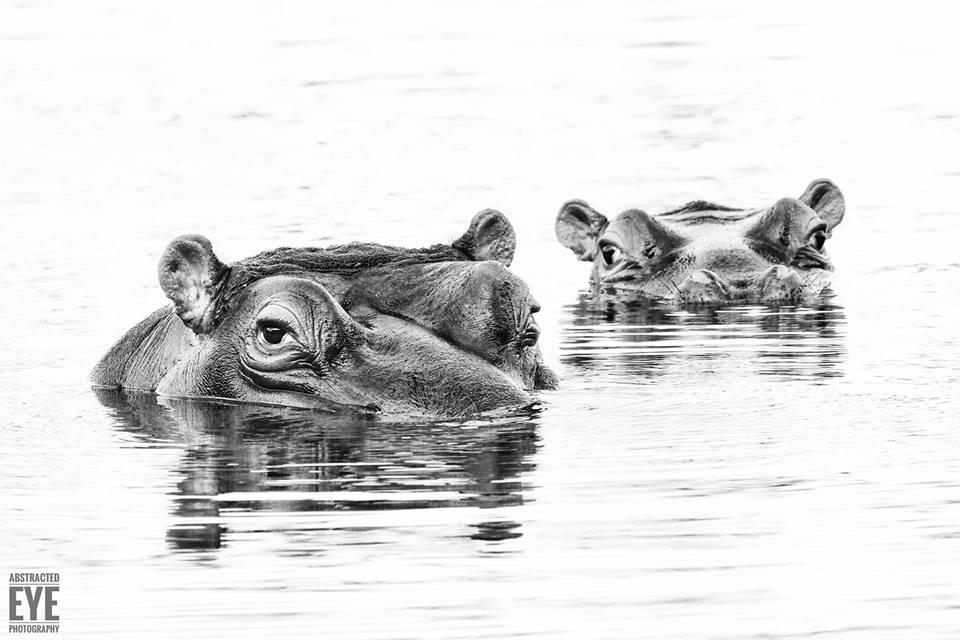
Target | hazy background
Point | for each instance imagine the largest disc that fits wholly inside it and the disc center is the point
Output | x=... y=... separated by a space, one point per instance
x=761 y=473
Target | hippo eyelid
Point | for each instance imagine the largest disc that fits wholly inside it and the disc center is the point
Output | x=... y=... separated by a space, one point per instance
x=280 y=314
x=818 y=227
x=608 y=240
x=274 y=323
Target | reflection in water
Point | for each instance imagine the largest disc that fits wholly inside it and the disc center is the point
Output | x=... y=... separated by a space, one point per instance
x=636 y=336
x=243 y=459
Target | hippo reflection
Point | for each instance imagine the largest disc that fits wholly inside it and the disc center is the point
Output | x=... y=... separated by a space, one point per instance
x=446 y=330
x=705 y=252
x=632 y=336
x=239 y=460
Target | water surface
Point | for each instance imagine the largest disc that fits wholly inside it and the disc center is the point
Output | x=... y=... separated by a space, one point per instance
x=749 y=472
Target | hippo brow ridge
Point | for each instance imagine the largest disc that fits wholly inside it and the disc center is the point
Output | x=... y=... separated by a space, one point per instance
x=342 y=259
x=701 y=211
x=700 y=205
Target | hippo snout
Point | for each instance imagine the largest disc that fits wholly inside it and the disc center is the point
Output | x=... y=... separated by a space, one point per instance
x=704 y=286
x=780 y=283
x=776 y=283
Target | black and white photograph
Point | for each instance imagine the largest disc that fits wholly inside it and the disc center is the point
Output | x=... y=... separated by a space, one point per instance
x=529 y=319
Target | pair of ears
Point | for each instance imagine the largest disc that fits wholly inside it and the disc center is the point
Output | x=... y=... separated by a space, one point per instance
x=579 y=226
x=193 y=277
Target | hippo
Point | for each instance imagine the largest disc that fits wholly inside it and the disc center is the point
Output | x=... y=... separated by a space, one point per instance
x=446 y=330
x=708 y=253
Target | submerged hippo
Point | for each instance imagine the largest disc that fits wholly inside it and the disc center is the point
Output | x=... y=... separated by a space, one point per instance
x=704 y=252
x=445 y=330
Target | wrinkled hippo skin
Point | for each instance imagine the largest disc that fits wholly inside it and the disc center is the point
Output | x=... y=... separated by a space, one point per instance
x=708 y=253
x=446 y=330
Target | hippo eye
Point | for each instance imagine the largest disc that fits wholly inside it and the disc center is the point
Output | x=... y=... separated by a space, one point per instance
x=272 y=333
x=611 y=254
x=818 y=239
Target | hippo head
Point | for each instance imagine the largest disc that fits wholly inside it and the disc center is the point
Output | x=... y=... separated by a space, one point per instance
x=446 y=330
x=704 y=252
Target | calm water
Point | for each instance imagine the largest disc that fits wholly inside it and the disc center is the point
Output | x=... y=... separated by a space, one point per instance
x=751 y=472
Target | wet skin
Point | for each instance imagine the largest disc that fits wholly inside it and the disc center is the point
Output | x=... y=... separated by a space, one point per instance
x=708 y=253
x=447 y=330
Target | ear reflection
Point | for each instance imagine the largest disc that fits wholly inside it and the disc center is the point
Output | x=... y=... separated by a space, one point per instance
x=635 y=336
x=239 y=460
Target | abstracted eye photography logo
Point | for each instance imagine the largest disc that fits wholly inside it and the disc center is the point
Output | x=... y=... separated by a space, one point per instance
x=33 y=603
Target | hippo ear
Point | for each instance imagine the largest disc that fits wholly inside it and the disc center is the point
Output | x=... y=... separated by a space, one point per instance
x=490 y=237
x=578 y=227
x=825 y=198
x=192 y=277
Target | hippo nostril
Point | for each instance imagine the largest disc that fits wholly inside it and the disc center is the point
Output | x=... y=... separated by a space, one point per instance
x=530 y=336
x=703 y=286
x=780 y=283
